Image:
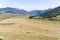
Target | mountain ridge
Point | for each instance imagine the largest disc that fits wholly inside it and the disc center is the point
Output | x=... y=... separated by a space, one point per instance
x=21 y=11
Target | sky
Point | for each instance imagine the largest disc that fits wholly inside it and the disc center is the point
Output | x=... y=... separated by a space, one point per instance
x=30 y=4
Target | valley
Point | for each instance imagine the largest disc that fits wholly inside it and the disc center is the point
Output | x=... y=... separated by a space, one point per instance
x=29 y=19
x=15 y=24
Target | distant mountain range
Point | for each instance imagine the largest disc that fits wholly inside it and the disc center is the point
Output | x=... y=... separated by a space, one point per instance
x=48 y=13
x=38 y=12
x=22 y=11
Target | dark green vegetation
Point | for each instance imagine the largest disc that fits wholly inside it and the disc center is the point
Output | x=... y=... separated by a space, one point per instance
x=32 y=16
x=53 y=13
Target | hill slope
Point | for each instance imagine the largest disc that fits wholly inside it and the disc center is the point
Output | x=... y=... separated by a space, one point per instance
x=53 y=13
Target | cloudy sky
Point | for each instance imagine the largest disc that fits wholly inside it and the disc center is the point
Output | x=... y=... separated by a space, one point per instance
x=30 y=4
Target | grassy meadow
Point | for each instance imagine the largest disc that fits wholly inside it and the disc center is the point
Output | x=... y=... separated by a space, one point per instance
x=19 y=27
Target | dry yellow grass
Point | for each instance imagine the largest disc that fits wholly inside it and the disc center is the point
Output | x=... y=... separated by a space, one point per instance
x=29 y=29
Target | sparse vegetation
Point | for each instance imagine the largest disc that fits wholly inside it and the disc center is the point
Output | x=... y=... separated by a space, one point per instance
x=28 y=32
x=46 y=30
x=47 y=38
x=7 y=23
x=0 y=39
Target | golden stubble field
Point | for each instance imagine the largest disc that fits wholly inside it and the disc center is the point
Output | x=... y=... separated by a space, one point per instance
x=22 y=28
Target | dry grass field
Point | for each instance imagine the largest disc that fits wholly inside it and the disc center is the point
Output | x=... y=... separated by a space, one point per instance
x=21 y=28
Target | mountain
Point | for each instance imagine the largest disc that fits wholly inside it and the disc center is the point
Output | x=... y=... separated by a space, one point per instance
x=13 y=10
x=22 y=11
x=38 y=12
x=35 y=12
x=9 y=10
x=52 y=13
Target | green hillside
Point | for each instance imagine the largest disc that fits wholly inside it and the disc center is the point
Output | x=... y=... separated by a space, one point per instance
x=53 y=13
